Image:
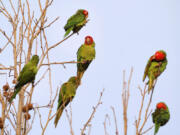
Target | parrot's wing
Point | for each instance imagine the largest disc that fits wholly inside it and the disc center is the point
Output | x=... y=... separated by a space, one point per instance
x=163 y=66
x=79 y=53
x=26 y=75
x=25 y=68
x=61 y=95
x=147 y=69
x=74 y=20
x=66 y=94
x=163 y=117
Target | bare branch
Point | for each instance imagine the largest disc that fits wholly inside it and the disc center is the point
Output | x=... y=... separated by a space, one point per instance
x=115 y=120
x=92 y=114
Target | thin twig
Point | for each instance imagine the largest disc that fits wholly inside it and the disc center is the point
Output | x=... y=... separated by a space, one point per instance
x=92 y=114
x=115 y=120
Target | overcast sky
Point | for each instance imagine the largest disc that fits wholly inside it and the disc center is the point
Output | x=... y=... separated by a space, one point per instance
x=126 y=33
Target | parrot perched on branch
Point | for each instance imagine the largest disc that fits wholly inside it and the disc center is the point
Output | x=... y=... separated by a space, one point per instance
x=155 y=66
x=160 y=116
x=66 y=95
x=76 y=22
x=27 y=75
x=85 y=54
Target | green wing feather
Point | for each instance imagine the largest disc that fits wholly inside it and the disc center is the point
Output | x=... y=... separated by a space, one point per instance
x=155 y=70
x=28 y=75
x=147 y=69
x=74 y=23
x=74 y=20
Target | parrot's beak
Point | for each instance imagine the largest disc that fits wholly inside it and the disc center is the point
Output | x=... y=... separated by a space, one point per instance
x=153 y=58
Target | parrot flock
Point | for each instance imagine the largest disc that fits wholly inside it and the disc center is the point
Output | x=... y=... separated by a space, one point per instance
x=85 y=55
x=155 y=66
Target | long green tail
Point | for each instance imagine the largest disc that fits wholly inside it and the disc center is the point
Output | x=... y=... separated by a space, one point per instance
x=14 y=94
x=68 y=31
x=156 y=128
x=151 y=82
x=58 y=115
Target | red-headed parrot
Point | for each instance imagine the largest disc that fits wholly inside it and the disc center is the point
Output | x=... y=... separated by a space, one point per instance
x=85 y=54
x=155 y=66
x=76 y=22
x=160 y=116
x=27 y=75
x=66 y=95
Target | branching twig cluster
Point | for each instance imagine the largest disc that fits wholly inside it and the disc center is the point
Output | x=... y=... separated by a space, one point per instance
x=139 y=128
x=125 y=99
x=28 y=37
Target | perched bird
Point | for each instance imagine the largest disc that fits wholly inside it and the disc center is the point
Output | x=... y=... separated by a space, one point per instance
x=27 y=75
x=155 y=66
x=66 y=95
x=160 y=116
x=76 y=22
x=85 y=54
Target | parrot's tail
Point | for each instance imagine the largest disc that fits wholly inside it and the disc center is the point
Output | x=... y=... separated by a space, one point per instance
x=144 y=77
x=156 y=128
x=68 y=31
x=58 y=115
x=79 y=76
x=14 y=94
x=151 y=83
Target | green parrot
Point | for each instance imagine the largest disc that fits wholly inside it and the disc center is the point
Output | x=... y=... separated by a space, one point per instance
x=27 y=75
x=76 y=22
x=66 y=95
x=85 y=54
x=155 y=66
x=160 y=116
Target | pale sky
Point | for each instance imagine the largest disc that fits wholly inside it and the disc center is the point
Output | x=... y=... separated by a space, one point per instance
x=126 y=33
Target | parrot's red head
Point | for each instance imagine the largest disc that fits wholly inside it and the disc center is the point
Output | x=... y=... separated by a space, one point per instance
x=89 y=40
x=160 y=55
x=85 y=12
x=161 y=105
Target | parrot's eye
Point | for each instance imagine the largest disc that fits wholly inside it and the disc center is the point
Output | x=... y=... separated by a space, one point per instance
x=159 y=56
x=85 y=12
x=161 y=106
x=88 y=40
